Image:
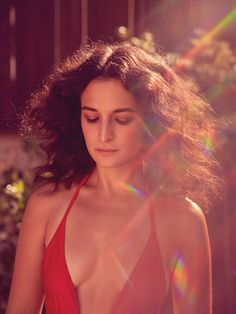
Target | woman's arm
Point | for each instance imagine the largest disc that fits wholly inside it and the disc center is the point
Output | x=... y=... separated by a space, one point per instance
x=26 y=294
x=191 y=280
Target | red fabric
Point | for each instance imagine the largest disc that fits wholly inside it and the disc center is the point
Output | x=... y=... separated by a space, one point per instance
x=143 y=293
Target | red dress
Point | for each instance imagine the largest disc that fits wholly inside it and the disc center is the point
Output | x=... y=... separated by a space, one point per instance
x=145 y=294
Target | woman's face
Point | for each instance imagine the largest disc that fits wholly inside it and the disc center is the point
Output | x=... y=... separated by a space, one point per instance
x=111 y=122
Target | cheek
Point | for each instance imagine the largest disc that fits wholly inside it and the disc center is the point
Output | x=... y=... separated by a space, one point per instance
x=133 y=137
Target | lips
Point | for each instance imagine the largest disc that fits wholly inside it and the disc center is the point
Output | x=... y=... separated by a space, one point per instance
x=106 y=150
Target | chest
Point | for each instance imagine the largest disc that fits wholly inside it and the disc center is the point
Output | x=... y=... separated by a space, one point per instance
x=105 y=239
x=105 y=244
x=110 y=255
x=94 y=230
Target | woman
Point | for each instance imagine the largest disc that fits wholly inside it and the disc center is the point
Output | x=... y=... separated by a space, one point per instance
x=112 y=225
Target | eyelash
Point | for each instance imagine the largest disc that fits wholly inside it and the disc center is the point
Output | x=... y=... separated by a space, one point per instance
x=122 y=122
x=91 y=120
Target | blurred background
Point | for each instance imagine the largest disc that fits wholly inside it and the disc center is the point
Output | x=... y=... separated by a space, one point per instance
x=198 y=38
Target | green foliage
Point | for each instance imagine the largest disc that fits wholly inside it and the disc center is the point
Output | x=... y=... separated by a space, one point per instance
x=15 y=188
x=211 y=65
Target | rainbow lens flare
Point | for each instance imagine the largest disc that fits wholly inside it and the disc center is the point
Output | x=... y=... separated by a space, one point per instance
x=133 y=190
x=181 y=280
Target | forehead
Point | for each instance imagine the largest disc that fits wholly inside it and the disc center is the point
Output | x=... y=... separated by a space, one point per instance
x=107 y=94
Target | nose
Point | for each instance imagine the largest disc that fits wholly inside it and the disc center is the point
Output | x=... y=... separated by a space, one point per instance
x=106 y=132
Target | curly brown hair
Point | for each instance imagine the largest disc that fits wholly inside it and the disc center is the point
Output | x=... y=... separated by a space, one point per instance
x=178 y=121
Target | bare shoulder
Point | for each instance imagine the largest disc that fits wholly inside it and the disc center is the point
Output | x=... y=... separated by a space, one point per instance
x=179 y=211
x=188 y=218
x=45 y=200
x=192 y=227
x=180 y=221
x=185 y=211
x=40 y=200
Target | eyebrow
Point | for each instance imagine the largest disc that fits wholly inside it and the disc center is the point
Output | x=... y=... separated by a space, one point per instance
x=115 y=111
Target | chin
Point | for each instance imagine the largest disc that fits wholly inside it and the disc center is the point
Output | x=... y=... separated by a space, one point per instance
x=116 y=163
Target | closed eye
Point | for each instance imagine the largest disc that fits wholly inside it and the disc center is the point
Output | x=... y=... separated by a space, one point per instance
x=124 y=121
x=91 y=120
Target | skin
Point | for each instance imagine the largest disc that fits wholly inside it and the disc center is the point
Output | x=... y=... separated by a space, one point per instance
x=97 y=233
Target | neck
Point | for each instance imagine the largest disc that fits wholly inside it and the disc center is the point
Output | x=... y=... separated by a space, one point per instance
x=119 y=180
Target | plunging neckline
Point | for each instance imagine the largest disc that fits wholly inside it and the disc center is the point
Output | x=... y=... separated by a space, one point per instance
x=151 y=245
x=125 y=285
x=129 y=279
